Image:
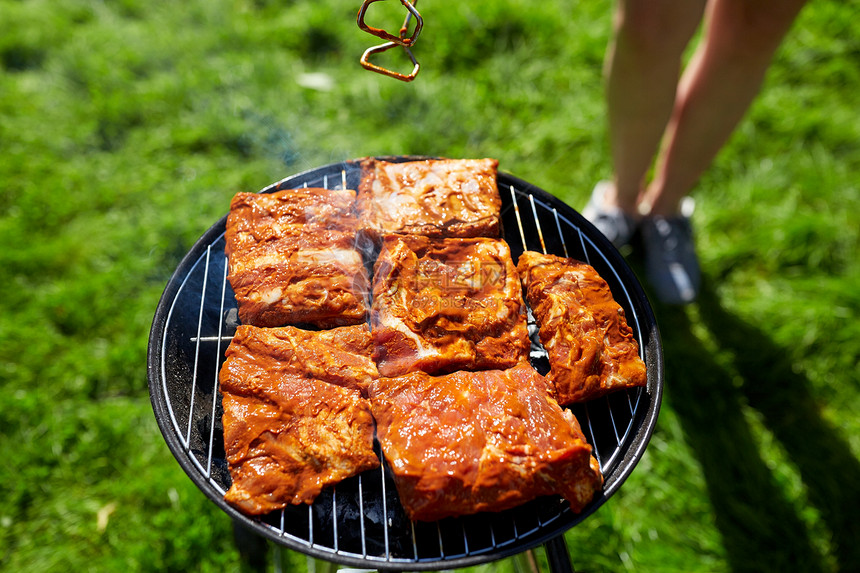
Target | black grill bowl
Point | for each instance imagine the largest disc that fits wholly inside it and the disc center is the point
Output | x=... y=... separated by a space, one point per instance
x=360 y=522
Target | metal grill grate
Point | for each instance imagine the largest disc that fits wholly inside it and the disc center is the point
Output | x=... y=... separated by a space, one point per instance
x=360 y=521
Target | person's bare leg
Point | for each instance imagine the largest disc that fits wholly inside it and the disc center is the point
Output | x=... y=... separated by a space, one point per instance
x=642 y=68
x=718 y=86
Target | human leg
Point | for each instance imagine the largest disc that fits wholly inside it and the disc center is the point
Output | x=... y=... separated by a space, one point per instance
x=642 y=68
x=720 y=82
x=717 y=88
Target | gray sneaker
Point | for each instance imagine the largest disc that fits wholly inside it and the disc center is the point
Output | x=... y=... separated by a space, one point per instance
x=617 y=225
x=670 y=256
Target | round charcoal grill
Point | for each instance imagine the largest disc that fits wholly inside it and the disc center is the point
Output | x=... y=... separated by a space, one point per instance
x=360 y=522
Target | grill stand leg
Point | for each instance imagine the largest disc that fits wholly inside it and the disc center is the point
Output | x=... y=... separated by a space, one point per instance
x=557 y=555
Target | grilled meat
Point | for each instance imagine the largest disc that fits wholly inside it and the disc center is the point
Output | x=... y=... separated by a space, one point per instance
x=340 y=356
x=469 y=442
x=441 y=305
x=293 y=258
x=294 y=418
x=590 y=346
x=435 y=197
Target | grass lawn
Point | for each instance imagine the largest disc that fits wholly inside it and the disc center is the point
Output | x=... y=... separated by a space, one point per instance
x=127 y=126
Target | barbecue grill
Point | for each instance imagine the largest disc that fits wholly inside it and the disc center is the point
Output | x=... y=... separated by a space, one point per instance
x=360 y=522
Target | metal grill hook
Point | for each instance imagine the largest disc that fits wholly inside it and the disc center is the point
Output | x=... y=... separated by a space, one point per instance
x=403 y=39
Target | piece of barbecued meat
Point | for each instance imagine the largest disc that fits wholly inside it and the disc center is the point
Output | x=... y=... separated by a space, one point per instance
x=441 y=305
x=340 y=356
x=433 y=197
x=293 y=426
x=293 y=258
x=590 y=346
x=470 y=442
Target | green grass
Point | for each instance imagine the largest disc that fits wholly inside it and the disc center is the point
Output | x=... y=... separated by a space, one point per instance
x=126 y=126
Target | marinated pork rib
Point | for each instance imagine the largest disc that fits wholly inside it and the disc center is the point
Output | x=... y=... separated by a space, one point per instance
x=469 y=442
x=293 y=426
x=340 y=356
x=590 y=346
x=441 y=305
x=293 y=258
x=436 y=198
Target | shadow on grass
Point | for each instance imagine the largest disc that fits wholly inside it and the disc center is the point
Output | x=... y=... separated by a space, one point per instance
x=761 y=529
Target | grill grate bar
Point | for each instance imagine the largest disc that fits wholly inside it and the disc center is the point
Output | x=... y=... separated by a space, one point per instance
x=439 y=537
x=197 y=349
x=361 y=517
x=334 y=516
x=537 y=223
x=216 y=384
x=595 y=451
x=560 y=234
x=582 y=245
x=612 y=417
x=386 y=545
x=519 y=219
x=220 y=338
